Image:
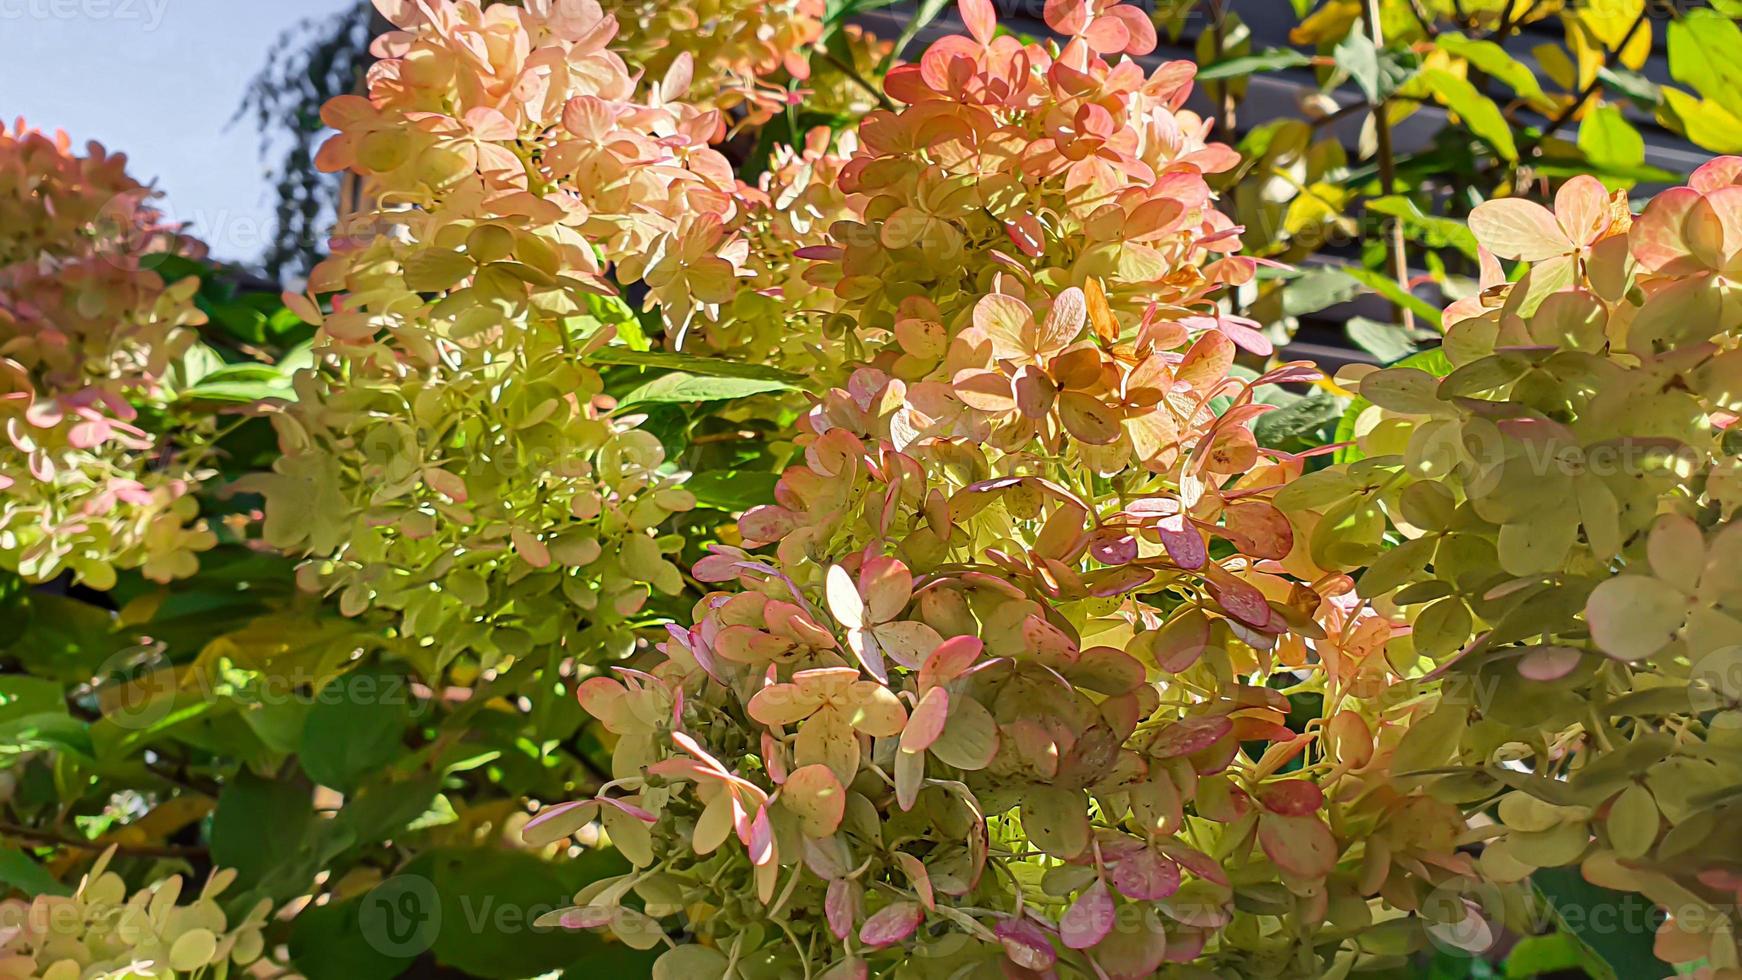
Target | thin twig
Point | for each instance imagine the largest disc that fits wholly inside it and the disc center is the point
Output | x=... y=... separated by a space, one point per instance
x=1596 y=82
x=1422 y=18
x=858 y=79
x=1388 y=175
x=82 y=843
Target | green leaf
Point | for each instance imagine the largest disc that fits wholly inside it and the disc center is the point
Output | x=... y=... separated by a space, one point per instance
x=1537 y=955
x=356 y=726
x=1387 y=342
x=1276 y=59
x=1300 y=420
x=928 y=11
x=22 y=695
x=1492 y=59
x=732 y=490
x=682 y=388
x=1618 y=927
x=1479 y=113
x=1317 y=289
x=1632 y=85
x=1705 y=51
x=710 y=367
x=241 y=384
x=1431 y=230
x=1610 y=141
x=330 y=942
x=18 y=870
x=1387 y=287
x=264 y=829
x=1705 y=122
x=485 y=901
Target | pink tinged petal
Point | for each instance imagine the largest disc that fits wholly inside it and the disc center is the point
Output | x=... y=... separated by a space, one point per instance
x=869 y=653
x=85 y=435
x=1189 y=735
x=1726 y=203
x=817 y=798
x=1656 y=238
x=892 y=925
x=927 y=721
x=1184 y=542
x=1146 y=876
x=553 y=823
x=979 y=18
x=1028 y=234
x=1138 y=26
x=1713 y=174
x=887 y=586
x=1090 y=918
x=688 y=743
x=1581 y=208
x=761 y=525
x=1064 y=321
x=604 y=699
x=950 y=659
x=1514 y=228
x=1026 y=944
x=588 y=917
x=1703 y=230
x=918 y=876
x=1301 y=846
x=841 y=907
x=1549 y=663
x=1291 y=798
x=1044 y=638
x=761 y=842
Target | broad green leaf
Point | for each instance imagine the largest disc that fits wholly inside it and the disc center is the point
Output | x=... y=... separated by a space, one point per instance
x=1479 y=113
x=1430 y=230
x=1387 y=287
x=1317 y=289
x=1276 y=59
x=266 y=831
x=1619 y=928
x=357 y=725
x=1705 y=52
x=1610 y=141
x=1388 y=343
x=681 y=388
x=1493 y=60
x=732 y=490
x=711 y=367
x=1703 y=121
x=20 y=872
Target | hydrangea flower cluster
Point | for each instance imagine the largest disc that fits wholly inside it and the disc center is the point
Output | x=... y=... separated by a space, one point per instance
x=1563 y=490
x=453 y=459
x=744 y=46
x=100 y=931
x=1003 y=678
x=87 y=333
